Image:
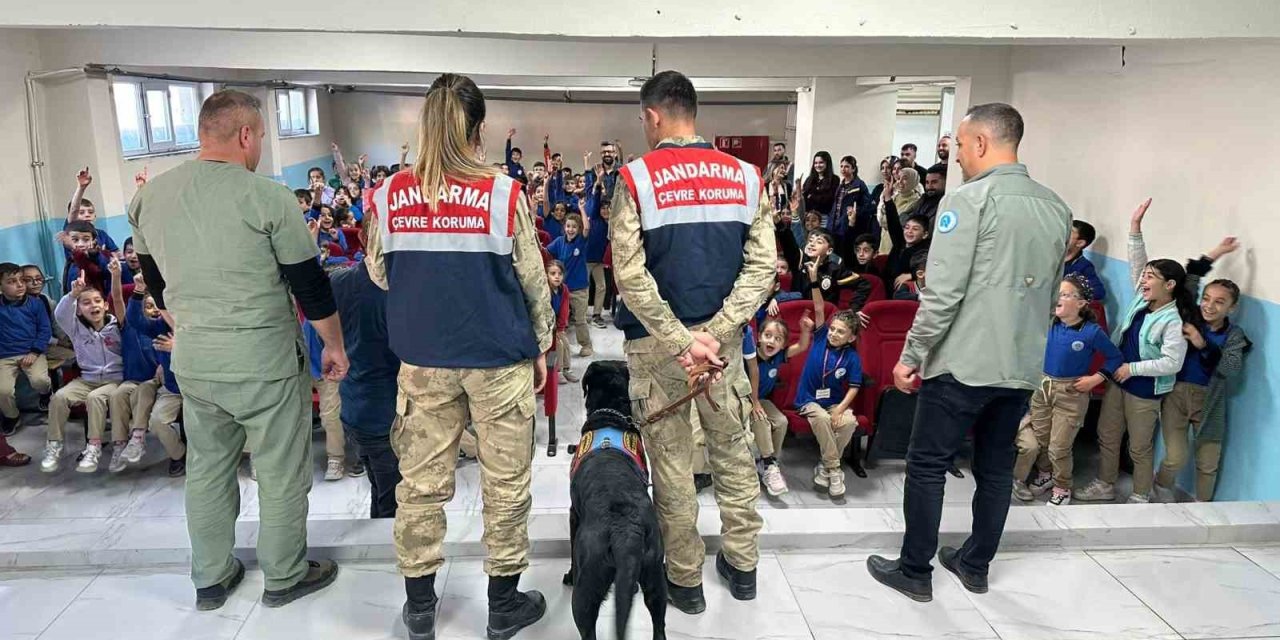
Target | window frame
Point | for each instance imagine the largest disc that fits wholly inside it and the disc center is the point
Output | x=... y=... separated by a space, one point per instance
x=151 y=146
x=284 y=112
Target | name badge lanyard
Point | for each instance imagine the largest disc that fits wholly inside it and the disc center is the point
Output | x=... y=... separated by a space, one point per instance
x=840 y=357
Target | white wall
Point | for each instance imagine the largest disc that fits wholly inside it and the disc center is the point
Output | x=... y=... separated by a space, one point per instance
x=921 y=131
x=379 y=124
x=850 y=120
x=18 y=53
x=1173 y=123
x=302 y=149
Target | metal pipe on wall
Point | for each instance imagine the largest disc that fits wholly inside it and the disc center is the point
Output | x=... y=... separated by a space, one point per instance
x=48 y=247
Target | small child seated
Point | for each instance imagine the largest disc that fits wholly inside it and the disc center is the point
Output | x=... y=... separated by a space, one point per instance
x=768 y=424
x=865 y=249
x=304 y=202
x=911 y=290
x=132 y=401
x=821 y=266
x=560 y=305
x=86 y=257
x=168 y=403
x=829 y=383
x=82 y=313
x=25 y=331
x=329 y=233
x=59 y=352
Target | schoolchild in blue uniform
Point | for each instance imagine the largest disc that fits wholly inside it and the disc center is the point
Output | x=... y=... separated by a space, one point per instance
x=571 y=250
x=768 y=424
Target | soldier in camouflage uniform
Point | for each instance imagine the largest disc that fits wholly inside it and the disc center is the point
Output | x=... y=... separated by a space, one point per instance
x=469 y=315
x=693 y=255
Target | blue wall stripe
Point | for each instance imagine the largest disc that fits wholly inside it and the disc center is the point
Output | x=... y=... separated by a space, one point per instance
x=1248 y=469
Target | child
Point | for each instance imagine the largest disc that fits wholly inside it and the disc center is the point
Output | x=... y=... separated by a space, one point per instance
x=1150 y=337
x=908 y=239
x=80 y=208
x=86 y=257
x=554 y=223
x=514 y=169
x=129 y=264
x=571 y=250
x=131 y=402
x=559 y=298
x=59 y=352
x=768 y=425
x=304 y=202
x=330 y=409
x=82 y=313
x=911 y=290
x=329 y=233
x=829 y=383
x=1082 y=235
x=865 y=249
x=1059 y=405
x=828 y=271
x=596 y=210
x=24 y=337
x=168 y=401
x=1215 y=358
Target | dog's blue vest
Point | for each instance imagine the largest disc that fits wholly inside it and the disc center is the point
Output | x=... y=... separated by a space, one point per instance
x=628 y=442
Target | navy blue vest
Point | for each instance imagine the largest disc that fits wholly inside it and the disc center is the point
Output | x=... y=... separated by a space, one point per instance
x=696 y=206
x=453 y=298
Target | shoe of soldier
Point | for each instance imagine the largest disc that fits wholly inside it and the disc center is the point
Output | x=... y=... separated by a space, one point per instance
x=319 y=575
x=742 y=584
x=687 y=599
x=510 y=609
x=213 y=597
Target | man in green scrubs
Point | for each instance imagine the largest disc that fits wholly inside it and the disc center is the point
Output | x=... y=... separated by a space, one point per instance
x=221 y=250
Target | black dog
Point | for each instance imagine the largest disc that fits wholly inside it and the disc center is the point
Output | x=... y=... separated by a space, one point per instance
x=613 y=526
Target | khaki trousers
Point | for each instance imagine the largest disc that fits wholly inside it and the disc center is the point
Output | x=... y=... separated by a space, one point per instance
x=37 y=374
x=595 y=271
x=1181 y=412
x=433 y=408
x=1123 y=411
x=330 y=417
x=771 y=431
x=832 y=441
x=164 y=413
x=563 y=355
x=1057 y=412
x=59 y=355
x=656 y=380
x=131 y=405
x=578 y=317
x=95 y=396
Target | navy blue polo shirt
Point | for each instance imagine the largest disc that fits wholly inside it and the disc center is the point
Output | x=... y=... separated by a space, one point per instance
x=369 y=391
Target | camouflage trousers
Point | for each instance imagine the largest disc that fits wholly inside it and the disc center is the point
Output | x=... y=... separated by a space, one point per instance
x=656 y=380
x=432 y=410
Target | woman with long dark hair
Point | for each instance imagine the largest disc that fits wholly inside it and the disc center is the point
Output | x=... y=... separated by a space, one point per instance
x=820 y=187
x=850 y=215
x=474 y=352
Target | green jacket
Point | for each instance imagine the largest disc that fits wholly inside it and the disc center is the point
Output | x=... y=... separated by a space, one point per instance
x=993 y=275
x=1163 y=347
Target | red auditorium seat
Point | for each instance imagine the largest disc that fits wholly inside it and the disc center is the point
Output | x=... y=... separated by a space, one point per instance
x=335 y=250
x=353 y=240
x=784 y=394
x=784 y=282
x=878 y=292
x=881 y=261
x=880 y=346
x=792 y=311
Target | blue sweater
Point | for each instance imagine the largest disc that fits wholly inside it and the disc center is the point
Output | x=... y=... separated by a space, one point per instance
x=598 y=239
x=574 y=256
x=1083 y=267
x=369 y=391
x=24 y=327
x=515 y=170
x=1070 y=350
x=139 y=355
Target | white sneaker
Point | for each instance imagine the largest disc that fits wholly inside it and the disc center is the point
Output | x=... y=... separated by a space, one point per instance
x=1135 y=498
x=136 y=448
x=1041 y=484
x=52 y=456
x=1021 y=492
x=836 y=481
x=1163 y=495
x=334 y=471
x=820 y=476
x=1057 y=499
x=89 y=459
x=117 y=463
x=774 y=483
x=1097 y=491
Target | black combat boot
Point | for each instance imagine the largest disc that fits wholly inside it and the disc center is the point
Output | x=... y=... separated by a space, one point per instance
x=420 y=607
x=511 y=610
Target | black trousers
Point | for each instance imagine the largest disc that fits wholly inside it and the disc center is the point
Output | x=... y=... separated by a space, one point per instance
x=945 y=412
x=381 y=466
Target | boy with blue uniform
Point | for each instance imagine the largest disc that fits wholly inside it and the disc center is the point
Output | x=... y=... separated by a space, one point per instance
x=24 y=337
x=571 y=250
x=1082 y=235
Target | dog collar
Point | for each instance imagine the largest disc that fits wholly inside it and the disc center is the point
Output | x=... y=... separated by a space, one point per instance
x=625 y=441
x=615 y=413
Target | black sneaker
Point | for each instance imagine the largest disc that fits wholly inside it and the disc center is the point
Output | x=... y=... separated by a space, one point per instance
x=889 y=573
x=701 y=481
x=687 y=599
x=511 y=610
x=9 y=426
x=420 y=620
x=742 y=584
x=950 y=559
x=356 y=469
x=178 y=468
x=319 y=575
x=210 y=598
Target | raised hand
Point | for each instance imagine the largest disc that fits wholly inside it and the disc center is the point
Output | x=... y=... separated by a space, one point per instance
x=313 y=227
x=139 y=283
x=84 y=178
x=1135 y=221
x=78 y=286
x=1229 y=244
x=364 y=157
x=113 y=266
x=404 y=148
x=511 y=133
x=333 y=146
x=806 y=323
x=140 y=178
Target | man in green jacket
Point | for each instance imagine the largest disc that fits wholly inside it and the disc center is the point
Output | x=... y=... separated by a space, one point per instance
x=978 y=343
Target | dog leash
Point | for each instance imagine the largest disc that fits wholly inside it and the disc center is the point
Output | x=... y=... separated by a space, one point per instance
x=700 y=381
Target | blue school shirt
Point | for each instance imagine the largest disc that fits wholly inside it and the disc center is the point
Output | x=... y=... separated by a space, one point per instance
x=598 y=239
x=832 y=370
x=165 y=360
x=557 y=299
x=1200 y=364
x=337 y=237
x=1083 y=267
x=1141 y=386
x=315 y=346
x=768 y=368
x=574 y=256
x=552 y=226
x=137 y=351
x=1070 y=350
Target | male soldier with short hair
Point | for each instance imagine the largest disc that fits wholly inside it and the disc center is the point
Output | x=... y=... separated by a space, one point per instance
x=693 y=254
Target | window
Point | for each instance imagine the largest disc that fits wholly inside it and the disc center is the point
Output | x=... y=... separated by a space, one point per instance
x=295 y=112
x=156 y=116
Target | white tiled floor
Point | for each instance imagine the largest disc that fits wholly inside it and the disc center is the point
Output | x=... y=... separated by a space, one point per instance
x=1122 y=595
